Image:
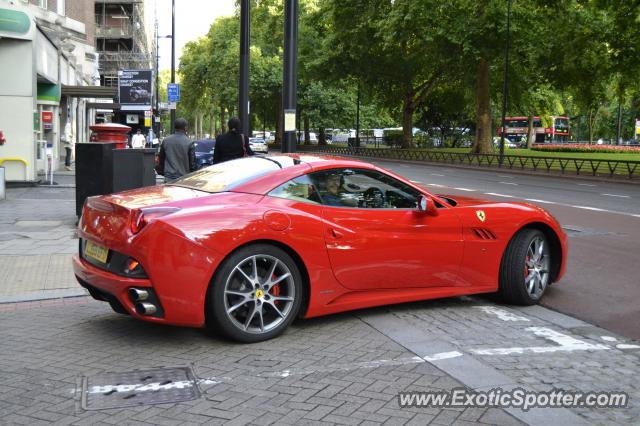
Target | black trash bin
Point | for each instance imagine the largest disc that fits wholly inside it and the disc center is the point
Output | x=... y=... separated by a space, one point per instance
x=102 y=168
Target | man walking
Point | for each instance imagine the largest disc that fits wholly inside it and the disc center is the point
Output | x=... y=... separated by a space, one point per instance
x=138 y=140
x=67 y=139
x=177 y=153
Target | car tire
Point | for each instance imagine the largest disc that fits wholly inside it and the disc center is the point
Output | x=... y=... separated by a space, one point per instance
x=525 y=268
x=255 y=294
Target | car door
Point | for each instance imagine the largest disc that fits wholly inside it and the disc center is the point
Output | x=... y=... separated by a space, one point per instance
x=377 y=239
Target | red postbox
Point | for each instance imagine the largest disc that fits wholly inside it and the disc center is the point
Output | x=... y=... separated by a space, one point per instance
x=110 y=133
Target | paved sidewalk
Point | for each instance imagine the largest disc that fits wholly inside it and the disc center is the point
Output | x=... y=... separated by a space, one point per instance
x=37 y=236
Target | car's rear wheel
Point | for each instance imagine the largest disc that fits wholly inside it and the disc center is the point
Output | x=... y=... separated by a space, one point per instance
x=524 y=272
x=256 y=294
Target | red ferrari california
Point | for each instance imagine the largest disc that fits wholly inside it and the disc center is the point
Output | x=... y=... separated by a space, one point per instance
x=245 y=247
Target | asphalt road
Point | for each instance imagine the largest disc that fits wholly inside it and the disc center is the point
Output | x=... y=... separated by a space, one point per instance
x=602 y=219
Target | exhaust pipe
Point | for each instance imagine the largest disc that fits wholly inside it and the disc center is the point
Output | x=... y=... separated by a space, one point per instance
x=138 y=295
x=146 y=308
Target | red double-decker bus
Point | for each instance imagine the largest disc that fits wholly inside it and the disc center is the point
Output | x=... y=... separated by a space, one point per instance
x=518 y=127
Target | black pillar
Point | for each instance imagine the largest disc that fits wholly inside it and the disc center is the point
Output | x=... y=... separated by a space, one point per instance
x=290 y=77
x=358 y=117
x=243 y=92
x=505 y=86
x=173 y=59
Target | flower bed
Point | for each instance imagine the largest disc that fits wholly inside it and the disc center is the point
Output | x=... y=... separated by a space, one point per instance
x=613 y=149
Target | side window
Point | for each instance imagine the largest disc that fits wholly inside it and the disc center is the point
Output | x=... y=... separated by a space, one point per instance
x=298 y=189
x=362 y=188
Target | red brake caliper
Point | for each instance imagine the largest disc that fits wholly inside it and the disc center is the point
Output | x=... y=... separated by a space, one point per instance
x=275 y=290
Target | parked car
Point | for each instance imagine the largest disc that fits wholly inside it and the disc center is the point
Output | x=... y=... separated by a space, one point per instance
x=204 y=152
x=247 y=246
x=258 y=145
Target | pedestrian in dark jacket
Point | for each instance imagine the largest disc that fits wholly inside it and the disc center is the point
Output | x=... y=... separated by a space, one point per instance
x=232 y=144
x=177 y=153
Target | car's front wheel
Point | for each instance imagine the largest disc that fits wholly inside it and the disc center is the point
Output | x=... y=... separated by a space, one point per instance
x=525 y=268
x=256 y=294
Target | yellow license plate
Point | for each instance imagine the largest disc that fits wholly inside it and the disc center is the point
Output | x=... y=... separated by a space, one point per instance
x=96 y=251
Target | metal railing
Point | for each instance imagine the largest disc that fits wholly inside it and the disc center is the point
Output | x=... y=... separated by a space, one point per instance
x=558 y=165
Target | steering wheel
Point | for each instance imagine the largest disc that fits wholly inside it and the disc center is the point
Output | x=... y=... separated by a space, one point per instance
x=373 y=198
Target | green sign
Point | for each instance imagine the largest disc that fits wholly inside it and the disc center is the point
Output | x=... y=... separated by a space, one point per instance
x=14 y=21
x=36 y=121
x=48 y=92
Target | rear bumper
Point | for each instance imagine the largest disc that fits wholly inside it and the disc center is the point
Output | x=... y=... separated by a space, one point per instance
x=106 y=286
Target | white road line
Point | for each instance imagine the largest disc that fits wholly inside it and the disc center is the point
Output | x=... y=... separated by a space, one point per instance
x=586 y=184
x=503 y=314
x=437 y=174
x=535 y=200
x=564 y=343
x=435 y=185
x=506 y=176
x=465 y=189
x=415 y=181
x=627 y=346
x=595 y=209
x=498 y=195
x=616 y=195
x=509 y=183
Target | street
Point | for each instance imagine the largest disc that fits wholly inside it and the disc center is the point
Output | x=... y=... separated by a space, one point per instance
x=601 y=218
x=72 y=360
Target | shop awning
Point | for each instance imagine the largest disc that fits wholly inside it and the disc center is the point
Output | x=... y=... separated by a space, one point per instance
x=89 y=91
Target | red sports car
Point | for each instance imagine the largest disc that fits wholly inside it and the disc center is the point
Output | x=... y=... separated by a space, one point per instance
x=246 y=246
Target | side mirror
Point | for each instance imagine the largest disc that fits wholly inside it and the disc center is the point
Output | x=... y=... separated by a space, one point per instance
x=426 y=205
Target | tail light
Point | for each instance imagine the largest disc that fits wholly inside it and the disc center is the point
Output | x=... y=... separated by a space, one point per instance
x=141 y=217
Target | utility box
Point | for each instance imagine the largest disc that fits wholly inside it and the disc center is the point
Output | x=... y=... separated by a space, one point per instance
x=102 y=168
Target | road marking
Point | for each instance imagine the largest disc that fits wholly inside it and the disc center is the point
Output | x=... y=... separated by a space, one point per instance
x=363 y=365
x=415 y=181
x=498 y=195
x=585 y=184
x=506 y=176
x=616 y=195
x=437 y=185
x=609 y=338
x=564 y=344
x=437 y=174
x=509 y=183
x=465 y=189
x=535 y=200
x=595 y=209
x=627 y=346
x=504 y=315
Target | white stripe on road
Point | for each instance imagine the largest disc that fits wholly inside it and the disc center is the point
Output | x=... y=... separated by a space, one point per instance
x=437 y=174
x=595 y=209
x=415 y=181
x=585 y=184
x=506 y=176
x=465 y=189
x=616 y=195
x=498 y=195
x=535 y=200
x=503 y=314
x=509 y=183
x=435 y=185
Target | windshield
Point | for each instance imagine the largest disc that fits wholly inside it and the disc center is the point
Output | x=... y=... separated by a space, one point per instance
x=562 y=124
x=230 y=174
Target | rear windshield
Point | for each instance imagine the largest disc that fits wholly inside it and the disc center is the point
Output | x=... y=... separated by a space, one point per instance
x=230 y=174
x=204 y=146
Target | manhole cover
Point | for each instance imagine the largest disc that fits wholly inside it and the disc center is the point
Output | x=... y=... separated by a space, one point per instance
x=140 y=387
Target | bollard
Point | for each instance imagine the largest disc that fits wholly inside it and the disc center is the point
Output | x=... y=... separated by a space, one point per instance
x=2 y=184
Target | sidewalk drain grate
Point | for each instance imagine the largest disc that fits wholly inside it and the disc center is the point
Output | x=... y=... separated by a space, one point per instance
x=140 y=387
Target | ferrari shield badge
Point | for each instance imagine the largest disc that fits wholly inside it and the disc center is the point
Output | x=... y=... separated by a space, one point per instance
x=481 y=215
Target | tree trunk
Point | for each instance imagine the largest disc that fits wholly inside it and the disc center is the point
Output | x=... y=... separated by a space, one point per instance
x=212 y=126
x=322 y=137
x=279 y=122
x=200 y=120
x=407 y=119
x=223 y=126
x=483 y=143
x=307 y=136
x=590 y=125
x=531 y=133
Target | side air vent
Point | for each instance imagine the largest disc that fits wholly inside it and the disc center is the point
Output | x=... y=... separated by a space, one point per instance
x=484 y=234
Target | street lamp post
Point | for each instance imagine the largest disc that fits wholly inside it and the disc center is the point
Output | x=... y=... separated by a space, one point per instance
x=290 y=75
x=173 y=59
x=243 y=92
x=505 y=86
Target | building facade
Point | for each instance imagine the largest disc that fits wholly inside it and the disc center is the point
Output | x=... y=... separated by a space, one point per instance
x=124 y=41
x=49 y=46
